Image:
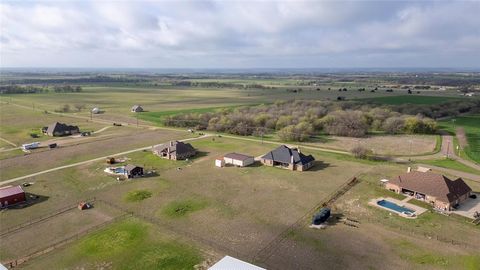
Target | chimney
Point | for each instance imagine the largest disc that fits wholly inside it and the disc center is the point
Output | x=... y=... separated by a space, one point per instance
x=409 y=169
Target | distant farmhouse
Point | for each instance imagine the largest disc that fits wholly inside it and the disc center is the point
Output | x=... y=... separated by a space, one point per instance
x=235 y=159
x=11 y=195
x=174 y=150
x=436 y=189
x=288 y=158
x=60 y=129
x=137 y=108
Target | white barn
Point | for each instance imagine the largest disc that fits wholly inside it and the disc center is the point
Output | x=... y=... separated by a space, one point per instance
x=239 y=160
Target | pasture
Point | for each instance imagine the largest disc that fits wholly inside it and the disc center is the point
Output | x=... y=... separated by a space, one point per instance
x=471 y=125
x=235 y=211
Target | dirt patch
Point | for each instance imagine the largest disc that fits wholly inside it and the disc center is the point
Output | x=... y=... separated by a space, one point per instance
x=462 y=138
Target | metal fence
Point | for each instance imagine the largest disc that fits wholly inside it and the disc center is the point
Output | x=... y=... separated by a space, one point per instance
x=17 y=262
x=270 y=248
x=41 y=219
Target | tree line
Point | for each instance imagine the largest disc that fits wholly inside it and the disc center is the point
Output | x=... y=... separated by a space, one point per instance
x=299 y=120
x=30 y=89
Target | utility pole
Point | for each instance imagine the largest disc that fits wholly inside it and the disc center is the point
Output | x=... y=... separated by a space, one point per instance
x=448 y=147
x=91 y=115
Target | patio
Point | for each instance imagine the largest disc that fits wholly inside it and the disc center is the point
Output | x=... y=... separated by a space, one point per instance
x=468 y=207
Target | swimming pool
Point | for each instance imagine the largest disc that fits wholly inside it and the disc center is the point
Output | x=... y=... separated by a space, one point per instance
x=395 y=207
x=120 y=170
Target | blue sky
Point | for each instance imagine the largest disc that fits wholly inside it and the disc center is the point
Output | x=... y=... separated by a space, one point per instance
x=240 y=34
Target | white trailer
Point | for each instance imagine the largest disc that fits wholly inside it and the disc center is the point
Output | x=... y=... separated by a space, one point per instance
x=29 y=146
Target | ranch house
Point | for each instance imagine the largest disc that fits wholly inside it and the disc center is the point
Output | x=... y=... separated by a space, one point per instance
x=436 y=189
x=174 y=150
x=288 y=158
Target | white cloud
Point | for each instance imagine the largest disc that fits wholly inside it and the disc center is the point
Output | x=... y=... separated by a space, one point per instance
x=239 y=33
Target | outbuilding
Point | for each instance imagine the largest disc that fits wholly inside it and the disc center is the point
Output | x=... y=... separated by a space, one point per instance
x=137 y=108
x=132 y=171
x=96 y=110
x=11 y=195
x=237 y=159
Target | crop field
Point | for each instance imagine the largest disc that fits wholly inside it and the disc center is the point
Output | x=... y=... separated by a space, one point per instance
x=471 y=125
x=412 y=99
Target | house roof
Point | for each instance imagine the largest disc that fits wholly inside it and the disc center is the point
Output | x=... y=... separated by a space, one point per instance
x=10 y=190
x=174 y=147
x=130 y=167
x=135 y=107
x=285 y=154
x=436 y=185
x=237 y=156
x=60 y=127
x=230 y=263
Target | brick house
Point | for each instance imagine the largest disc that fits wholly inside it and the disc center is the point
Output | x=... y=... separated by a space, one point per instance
x=60 y=129
x=288 y=158
x=436 y=189
x=174 y=150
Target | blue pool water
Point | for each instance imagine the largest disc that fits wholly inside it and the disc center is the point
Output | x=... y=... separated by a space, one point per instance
x=394 y=207
x=120 y=170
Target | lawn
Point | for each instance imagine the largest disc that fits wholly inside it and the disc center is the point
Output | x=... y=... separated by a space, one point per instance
x=471 y=125
x=411 y=99
x=450 y=164
x=129 y=244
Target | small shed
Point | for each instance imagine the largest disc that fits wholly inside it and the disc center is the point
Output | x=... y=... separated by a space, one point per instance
x=96 y=110
x=219 y=162
x=237 y=159
x=137 y=108
x=11 y=195
x=133 y=171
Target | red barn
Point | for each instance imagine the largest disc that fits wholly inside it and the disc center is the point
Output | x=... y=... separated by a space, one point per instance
x=10 y=195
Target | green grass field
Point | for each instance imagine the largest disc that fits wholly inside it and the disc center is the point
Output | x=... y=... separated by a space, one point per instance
x=451 y=164
x=411 y=99
x=471 y=124
x=128 y=244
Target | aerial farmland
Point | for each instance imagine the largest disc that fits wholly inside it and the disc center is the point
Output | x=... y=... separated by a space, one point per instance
x=228 y=135
x=198 y=212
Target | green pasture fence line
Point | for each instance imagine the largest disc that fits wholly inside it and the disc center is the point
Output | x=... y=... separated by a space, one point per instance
x=17 y=262
x=43 y=218
x=184 y=233
x=424 y=234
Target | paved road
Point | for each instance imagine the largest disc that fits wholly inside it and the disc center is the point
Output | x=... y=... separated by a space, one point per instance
x=88 y=161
